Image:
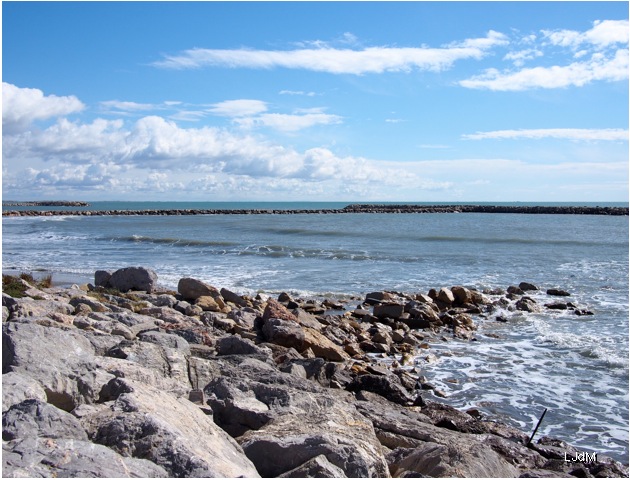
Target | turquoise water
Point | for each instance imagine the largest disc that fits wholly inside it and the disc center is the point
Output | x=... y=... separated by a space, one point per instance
x=575 y=366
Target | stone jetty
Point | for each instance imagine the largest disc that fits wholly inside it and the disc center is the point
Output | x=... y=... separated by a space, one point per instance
x=48 y=203
x=124 y=378
x=355 y=208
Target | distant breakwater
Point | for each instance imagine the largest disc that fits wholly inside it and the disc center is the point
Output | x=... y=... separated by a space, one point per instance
x=49 y=203
x=357 y=208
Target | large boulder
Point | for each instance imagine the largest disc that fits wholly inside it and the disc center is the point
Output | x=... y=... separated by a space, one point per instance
x=17 y=387
x=63 y=458
x=62 y=362
x=174 y=433
x=134 y=278
x=34 y=418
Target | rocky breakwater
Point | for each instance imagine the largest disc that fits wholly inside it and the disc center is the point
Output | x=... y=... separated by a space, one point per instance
x=358 y=208
x=126 y=379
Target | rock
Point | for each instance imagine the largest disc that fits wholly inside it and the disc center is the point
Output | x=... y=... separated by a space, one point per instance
x=388 y=387
x=50 y=458
x=342 y=435
x=462 y=295
x=275 y=309
x=34 y=418
x=192 y=289
x=61 y=361
x=515 y=290
x=307 y=319
x=322 y=346
x=207 y=304
x=174 y=433
x=378 y=297
x=317 y=467
x=284 y=332
x=232 y=297
x=456 y=460
x=558 y=293
x=527 y=304
x=101 y=278
x=422 y=298
x=445 y=296
x=17 y=387
x=527 y=287
x=235 y=345
x=391 y=310
x=556 y=306
x=134 y=278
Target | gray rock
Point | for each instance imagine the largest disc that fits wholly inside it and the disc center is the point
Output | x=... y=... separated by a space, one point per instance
x=460 y=459
x=284 y=332
x=166 y=340
x=527 y=304
x=391 y=310
x=445 y=295
x=61 y=361
x=17 y=387
x=558 y=293
x=526 y=287
x=173 y=433
x=192 y=289
x=134 y=278
x=235 y=345
x=29 y=307
x=388 y=386
x=317 y=467
x=50 y=458
x=232 y=297
x=34 y=418
x=101 y=278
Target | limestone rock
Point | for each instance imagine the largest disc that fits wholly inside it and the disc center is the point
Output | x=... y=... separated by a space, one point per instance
x=17 y=387
x=173 y=433
x=50 y=458
x=34 y=418
x=316 y=467
x=101 y=278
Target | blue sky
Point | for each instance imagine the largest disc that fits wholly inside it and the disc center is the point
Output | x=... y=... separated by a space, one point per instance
x=348 y=101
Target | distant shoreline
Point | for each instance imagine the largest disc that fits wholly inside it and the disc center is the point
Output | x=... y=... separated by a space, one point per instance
x=355 y=208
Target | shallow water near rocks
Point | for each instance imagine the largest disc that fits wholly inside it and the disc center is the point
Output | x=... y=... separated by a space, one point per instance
x=576 y=366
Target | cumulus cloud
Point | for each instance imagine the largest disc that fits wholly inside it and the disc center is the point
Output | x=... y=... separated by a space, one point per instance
x=22 y=106
x=338 y=61
x=576 y=134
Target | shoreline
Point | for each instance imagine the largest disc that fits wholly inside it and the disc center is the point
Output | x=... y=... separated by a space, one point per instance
x=217 y=343
x=349 y=209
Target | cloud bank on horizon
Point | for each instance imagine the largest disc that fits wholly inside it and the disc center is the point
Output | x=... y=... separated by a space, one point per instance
x=341 y=125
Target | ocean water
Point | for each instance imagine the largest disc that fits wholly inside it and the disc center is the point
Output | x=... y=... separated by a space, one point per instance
x=576 y=366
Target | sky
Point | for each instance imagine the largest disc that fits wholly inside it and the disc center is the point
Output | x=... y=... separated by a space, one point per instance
x=315 y=101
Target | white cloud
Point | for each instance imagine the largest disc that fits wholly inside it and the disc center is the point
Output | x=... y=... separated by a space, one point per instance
x=297 y=92
x=287 y=122
x=127 y=106
x=238 y=108
x=599 y=67
x=519 y=57
x=576 y=134
x=22 y=106
x=338 y=61
x=603 y=34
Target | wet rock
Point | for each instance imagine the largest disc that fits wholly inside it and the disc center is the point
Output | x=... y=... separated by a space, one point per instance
x=556 y=306
x=527 y=304
x=462 y=295
x=558 y=293
x=527 y=287
x=374 y=298
x=515 y=290
x=134 y=278
x=445 y=295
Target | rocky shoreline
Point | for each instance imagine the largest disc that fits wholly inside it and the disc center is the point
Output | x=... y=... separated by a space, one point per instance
x=126 y=379
x=357 y=208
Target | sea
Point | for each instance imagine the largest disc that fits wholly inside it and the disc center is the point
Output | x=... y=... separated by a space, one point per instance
x=574 y=366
